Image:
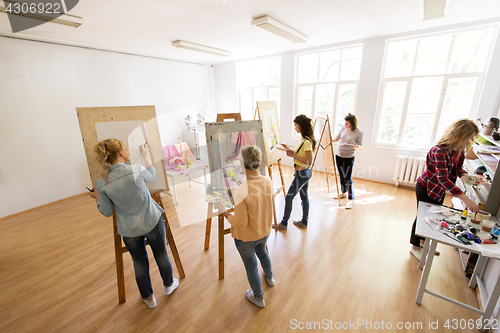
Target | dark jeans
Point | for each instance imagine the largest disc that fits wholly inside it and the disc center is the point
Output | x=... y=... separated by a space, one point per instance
x=345 y=165
x=137 y=248
x=300 y=183
x=421 y=193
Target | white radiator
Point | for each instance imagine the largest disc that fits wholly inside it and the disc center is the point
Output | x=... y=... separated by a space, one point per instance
x=408 y=169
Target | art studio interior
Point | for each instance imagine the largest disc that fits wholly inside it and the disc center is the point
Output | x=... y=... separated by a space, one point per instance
x=194 y=81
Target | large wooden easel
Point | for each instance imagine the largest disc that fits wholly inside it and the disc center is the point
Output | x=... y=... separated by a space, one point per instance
x=270 y=160
x=88 y=119
x=325 y=142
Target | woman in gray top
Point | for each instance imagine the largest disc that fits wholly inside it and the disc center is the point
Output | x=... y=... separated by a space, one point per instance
x=122 y=188
x=350 y=138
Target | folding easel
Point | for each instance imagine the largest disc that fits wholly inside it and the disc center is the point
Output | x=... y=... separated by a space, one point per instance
x=325 y=142
x=211 y=214
x=270 y=171
x=88 y=119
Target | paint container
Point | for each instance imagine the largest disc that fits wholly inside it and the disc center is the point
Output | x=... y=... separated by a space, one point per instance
x=475 y=220
x=483 y=215
x=487 y=225
x=496 y=230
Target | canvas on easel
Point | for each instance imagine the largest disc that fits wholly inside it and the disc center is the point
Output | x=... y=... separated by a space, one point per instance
x=326 y=145
x=268 y=113
x=226 y=169
x=133 y=125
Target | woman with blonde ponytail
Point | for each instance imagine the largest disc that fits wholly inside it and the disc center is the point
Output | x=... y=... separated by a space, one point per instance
x=443 y=166
x=122 y=188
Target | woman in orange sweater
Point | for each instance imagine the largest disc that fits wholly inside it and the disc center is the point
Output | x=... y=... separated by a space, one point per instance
x=252 y=222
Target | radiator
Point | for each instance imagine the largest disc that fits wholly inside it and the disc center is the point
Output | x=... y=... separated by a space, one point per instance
x=408 y=169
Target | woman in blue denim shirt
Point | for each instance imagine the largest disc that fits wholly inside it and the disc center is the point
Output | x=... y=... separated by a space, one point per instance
x=122 y=188
x=303 y=156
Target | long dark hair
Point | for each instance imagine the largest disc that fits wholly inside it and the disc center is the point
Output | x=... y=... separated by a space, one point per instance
x=306 y=128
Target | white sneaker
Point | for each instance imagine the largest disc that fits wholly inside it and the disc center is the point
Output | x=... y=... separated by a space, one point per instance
x=416 y=253
x=251 y=298
x=152 y=303
x=349 y=205
x=342 y=196
x=172 y=287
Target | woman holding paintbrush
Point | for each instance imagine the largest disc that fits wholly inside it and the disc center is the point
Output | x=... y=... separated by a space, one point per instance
x=443 y=165
x=350 y=138
x=122 y=188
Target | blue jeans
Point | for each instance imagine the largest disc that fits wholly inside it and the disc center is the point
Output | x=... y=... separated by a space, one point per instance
x=137 y=248
x=247 y=251
x=300 y=183
x=345 y=165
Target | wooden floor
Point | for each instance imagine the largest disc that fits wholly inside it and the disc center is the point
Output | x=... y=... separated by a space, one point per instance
x=350 y=266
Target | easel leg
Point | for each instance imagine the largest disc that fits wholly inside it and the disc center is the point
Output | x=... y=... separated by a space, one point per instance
x=327 y=184
x=170 y=238
x=221 y=247
x=120 y=275
x=282 y=178
x=209 y=225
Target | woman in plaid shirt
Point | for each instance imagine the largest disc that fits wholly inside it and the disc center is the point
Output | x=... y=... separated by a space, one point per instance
x=443 y=166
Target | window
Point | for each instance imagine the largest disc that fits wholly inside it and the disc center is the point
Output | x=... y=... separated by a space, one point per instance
x=327 y=83
x=258 y=81
x=429 y=82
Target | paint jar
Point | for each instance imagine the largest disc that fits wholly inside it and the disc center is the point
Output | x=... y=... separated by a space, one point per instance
x=483 y=215
x=487 y=225
x=496 y=230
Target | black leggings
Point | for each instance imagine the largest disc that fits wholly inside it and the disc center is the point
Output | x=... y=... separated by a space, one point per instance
x=421 y=193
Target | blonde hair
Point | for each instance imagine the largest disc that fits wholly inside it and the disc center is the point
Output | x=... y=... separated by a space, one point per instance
x=107 y=153
x=252 y=156
x=459 y=135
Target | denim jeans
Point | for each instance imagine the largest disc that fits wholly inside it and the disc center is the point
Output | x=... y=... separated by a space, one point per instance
x=247 y=251
x=421 y=193
x=345 y=165
x=300 y=183
x=137 y=248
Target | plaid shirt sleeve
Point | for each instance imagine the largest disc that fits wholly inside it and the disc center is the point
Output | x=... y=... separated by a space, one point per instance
x=443 y=173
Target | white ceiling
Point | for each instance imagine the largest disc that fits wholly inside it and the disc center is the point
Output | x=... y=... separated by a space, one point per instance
x=149 y=27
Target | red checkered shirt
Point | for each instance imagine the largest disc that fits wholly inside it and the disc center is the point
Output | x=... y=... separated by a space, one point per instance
x=441 y=172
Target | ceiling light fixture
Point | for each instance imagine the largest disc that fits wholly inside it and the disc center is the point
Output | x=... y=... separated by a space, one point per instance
x=65 y=19
x=280 y=29
x=432 y=9
x=200 y=48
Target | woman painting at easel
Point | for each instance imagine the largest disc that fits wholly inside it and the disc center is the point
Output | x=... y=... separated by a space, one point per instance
x=443 y=165
x=123 y=188
x=303 y=157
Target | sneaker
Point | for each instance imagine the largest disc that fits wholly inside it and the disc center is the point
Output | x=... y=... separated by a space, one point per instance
x=349 y=205
x=152 y=303
x=172 y=287
x=281 y=226
x=252 y=299
x=416 y=253
x=270 y=281
x=300 y=224
x=342 y=196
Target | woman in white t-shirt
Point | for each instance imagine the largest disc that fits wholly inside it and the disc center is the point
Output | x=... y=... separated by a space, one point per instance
x=349 y=138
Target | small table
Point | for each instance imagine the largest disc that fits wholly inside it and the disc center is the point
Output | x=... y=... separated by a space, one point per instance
x=432 y=237
x=177 y=178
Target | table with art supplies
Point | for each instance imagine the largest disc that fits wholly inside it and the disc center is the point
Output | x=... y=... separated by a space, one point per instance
x=475 y=233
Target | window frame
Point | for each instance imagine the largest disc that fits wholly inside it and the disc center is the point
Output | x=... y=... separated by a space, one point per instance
x=331 y=113
x=446 y=78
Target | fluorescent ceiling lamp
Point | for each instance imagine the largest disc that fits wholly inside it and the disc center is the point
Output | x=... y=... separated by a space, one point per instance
x=200 y=48
x=280 y=29
x=432 y=9
x=65 y=19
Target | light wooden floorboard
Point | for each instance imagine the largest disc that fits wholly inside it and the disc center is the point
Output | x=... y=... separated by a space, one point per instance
x=58 y=273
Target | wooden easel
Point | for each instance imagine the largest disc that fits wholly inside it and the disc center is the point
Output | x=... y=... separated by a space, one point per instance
x=270 y=172
x=89 y=119
x=325 y=142
x=120 y=249
x=211 y=214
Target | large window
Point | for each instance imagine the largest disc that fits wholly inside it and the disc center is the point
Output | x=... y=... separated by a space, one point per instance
x=258 y=81
x=327 y=83
x=429 y=82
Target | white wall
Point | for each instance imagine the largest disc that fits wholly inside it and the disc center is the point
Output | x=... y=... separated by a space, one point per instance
x=42 y=155
x=374 y=163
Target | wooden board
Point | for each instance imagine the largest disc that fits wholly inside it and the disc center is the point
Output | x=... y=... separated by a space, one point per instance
x=94 y=118
x=268 y=113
